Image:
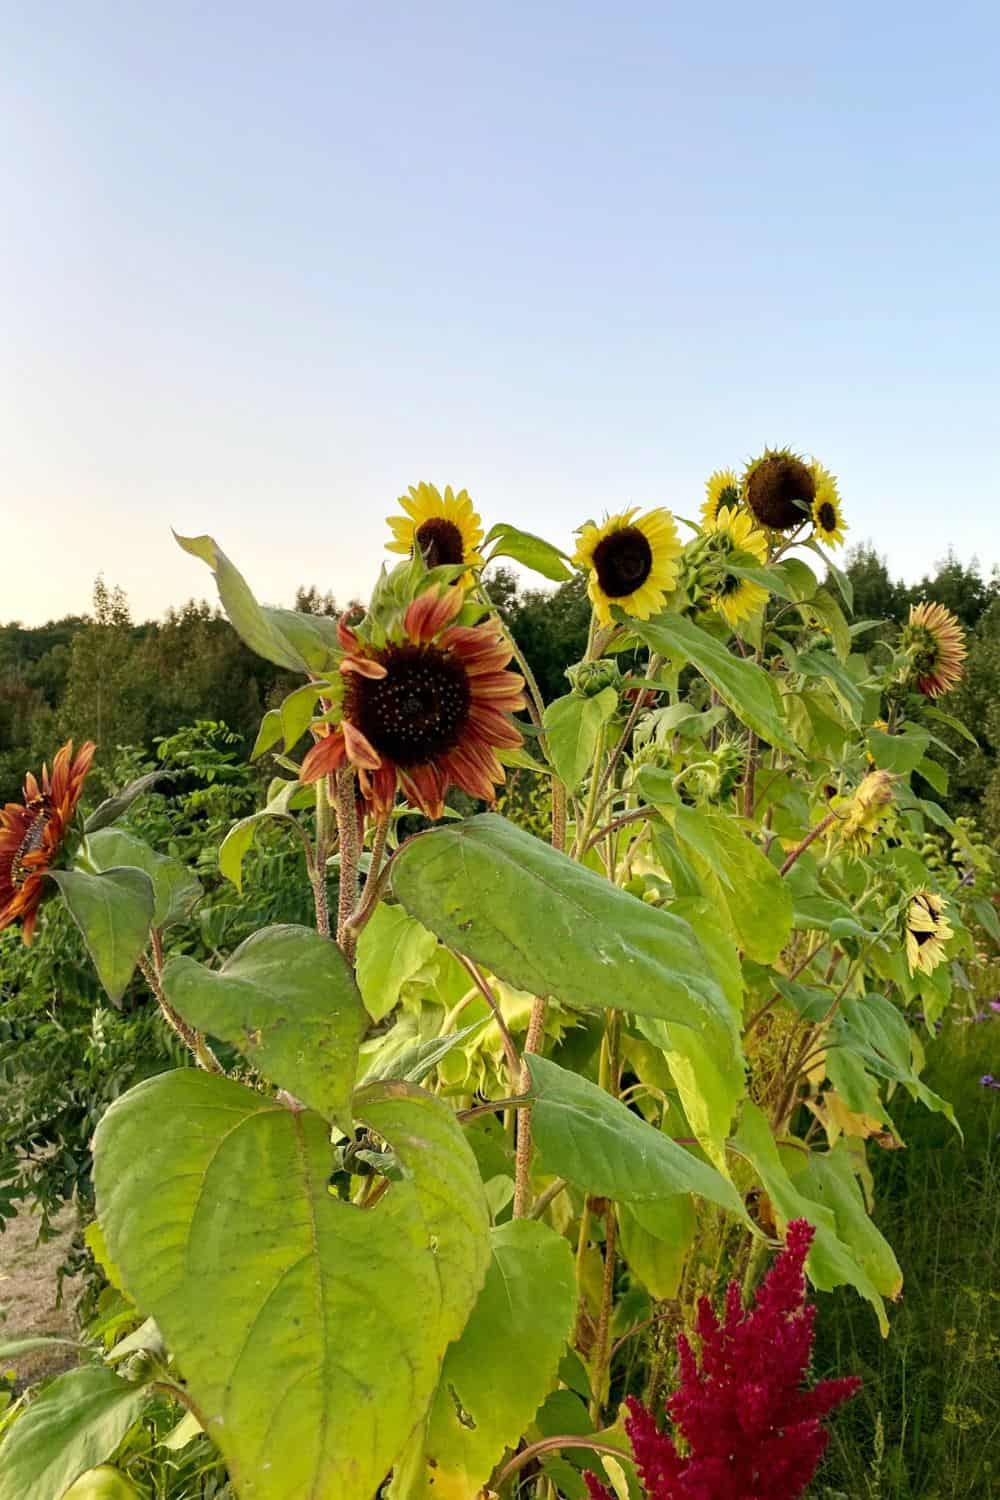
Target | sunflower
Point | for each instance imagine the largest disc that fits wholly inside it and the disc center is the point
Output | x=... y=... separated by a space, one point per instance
x=445 y=528
x=632 y=562
x=32 y=832
x=927 y=931
x=828 y=519
x=781 y=487
x=936 y=643
x=868 y=810
x=721 y=488
x=427 y=710
x=736 y=598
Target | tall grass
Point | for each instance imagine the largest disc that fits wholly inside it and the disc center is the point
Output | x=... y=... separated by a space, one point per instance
x=927 y=1423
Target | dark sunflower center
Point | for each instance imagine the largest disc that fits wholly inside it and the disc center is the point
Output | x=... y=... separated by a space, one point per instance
x=623 y=561
x=31 y=842
x=777 y=489
x=418 y=710
x=440 y=541
x=827 y=516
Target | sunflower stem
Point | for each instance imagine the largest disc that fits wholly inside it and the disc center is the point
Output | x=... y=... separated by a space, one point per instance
x=522 y=1160
x=193 y=1040
x=350 y=855
x=317 y=863
x=810 y=837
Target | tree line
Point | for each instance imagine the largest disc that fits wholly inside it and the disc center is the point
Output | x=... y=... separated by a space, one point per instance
x=123 y=682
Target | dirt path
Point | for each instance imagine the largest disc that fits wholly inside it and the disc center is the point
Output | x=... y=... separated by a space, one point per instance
x=28 y=1295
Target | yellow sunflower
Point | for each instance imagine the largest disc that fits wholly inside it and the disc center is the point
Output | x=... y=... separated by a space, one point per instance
x=721 y=488
x=445 y=528
x=936 y=643
x=735 y=598
x=631 y=560
x=828 y=519
x=867 y=811
x=781 y=487
x=927 y=931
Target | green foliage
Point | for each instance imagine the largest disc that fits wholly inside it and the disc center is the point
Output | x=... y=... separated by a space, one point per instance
x=466 y=1118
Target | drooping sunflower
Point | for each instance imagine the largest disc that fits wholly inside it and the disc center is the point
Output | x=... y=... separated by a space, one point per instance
x=867 y=811
x=735 y=598
x=32 y=832
x=781 y=487
x=427 y=710
x=828 y=518
x=721 y=488
x=631 y=561
x=445 y=528
x=927 y=931
x=936 y=643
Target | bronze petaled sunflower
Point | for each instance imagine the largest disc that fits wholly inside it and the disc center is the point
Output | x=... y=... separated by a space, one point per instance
x=780 y=488
x=32 y=832
x=425 y=711
x=936 y=643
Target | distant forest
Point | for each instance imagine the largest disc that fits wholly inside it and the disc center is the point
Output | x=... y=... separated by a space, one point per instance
x=123 y=683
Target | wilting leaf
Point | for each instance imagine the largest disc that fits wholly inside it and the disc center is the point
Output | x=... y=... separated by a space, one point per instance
x=175 y=889
x=114 y=912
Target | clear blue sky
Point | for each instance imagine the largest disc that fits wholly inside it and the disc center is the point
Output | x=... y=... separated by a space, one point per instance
x=262 y=266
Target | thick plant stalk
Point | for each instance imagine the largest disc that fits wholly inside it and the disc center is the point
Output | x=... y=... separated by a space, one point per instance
x=810 y=837
x=193 y=1040
x=350 y=856
x=522 y=1164
x=599 y=1370
x=317 y=871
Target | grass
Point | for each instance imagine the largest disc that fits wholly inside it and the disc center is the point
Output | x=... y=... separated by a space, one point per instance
x=927 y=1423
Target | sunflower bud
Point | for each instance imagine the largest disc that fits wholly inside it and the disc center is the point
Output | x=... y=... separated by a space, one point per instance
x=589 y=678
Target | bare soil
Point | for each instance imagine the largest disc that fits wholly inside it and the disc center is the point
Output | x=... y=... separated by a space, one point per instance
x=28 y=1291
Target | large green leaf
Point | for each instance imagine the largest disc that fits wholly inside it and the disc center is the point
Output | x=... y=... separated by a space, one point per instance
x=901 y=753
x=300 y=642
x=593 y=1140
x=549 y=926
x=71 y=1426
x=656 y=1239
x=104 y=1483
x=287 y=999
x=746 y=687
x=391 y=949
x=572 y=727
x=749 y=894
x=310 y=1332
x=530 y=550
x=499 y=1372
x=114 y=912
x=831 y=1263
x=118 y=804
x=175 y=888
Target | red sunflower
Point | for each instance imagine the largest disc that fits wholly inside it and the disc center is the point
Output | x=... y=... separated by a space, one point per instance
x=424 y=712
x=32 y=833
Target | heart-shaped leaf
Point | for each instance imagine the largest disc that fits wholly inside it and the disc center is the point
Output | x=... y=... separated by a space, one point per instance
x=287 y=999
x=114 y=911
x=175 y=889
x=310 y=1331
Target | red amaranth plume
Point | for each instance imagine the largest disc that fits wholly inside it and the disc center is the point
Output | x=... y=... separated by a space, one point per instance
x=751 y=1428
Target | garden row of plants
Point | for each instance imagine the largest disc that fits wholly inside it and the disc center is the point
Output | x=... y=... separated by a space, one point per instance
x=478 y=1112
